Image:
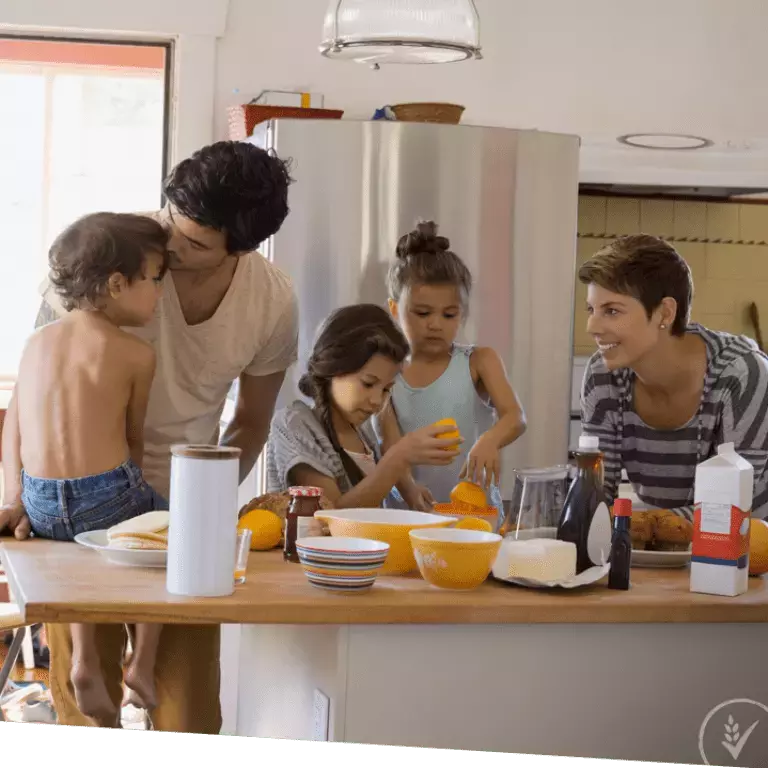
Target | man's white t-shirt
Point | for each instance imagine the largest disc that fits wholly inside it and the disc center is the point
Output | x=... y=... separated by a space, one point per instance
x=253 y=331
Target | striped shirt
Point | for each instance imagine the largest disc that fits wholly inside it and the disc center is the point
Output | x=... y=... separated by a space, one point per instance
x=661 y=464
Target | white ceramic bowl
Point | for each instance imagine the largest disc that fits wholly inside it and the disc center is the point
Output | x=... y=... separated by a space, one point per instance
x=343 y=545
x=341 y=549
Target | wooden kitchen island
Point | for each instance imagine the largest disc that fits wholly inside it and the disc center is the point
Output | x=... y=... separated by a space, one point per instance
x=587 y=673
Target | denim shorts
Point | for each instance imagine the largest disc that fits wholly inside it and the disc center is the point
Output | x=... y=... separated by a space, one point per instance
x=60 y=509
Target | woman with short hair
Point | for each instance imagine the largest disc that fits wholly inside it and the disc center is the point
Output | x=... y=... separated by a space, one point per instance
x=661 y=393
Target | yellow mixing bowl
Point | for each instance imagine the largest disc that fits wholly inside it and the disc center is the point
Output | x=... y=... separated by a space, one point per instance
x=389 y=525
x=454 y=558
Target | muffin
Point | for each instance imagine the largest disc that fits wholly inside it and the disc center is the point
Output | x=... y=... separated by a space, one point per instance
x=641 y=530
x=672 y=533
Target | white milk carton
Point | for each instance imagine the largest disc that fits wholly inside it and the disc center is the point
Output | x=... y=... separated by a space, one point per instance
x=720 y=547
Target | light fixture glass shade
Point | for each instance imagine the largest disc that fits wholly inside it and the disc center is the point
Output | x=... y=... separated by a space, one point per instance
x=401 y=31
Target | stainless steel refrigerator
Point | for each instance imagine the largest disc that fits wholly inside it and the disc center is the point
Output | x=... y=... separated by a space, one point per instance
x=507 y=199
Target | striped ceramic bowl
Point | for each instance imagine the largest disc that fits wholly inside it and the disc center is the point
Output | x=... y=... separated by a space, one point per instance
x=341 y=563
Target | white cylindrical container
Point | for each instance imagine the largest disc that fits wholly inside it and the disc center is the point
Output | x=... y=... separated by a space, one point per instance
x=202 y=534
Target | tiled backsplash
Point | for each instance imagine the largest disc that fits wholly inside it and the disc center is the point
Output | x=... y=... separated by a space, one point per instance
x=725 y=244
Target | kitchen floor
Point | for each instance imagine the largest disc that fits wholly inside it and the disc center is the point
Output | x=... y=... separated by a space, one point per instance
x=131 y=717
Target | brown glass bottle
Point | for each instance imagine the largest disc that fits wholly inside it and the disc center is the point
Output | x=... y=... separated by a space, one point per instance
x=585 y=519
x=621 y=545
x=300 y=519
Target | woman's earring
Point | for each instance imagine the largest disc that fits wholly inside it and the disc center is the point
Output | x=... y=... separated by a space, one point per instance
x=663 y=327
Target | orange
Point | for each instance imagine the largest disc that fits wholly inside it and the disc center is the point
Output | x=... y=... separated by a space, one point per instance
x=265 y=526
x=758 y=547
x=451 y=434
x=474 y=524
x=467 y=494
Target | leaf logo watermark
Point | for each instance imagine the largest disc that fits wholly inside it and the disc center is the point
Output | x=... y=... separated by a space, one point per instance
x=735 y=733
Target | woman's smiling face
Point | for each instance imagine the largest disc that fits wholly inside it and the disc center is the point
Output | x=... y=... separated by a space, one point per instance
x=621 y=328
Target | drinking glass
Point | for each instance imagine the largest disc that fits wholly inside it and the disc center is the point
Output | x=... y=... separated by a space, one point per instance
x=242 y=550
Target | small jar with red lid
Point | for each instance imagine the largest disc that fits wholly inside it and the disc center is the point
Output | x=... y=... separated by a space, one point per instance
x=300 y=520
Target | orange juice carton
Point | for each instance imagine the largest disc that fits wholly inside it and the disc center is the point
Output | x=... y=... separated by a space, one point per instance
x=723 y=505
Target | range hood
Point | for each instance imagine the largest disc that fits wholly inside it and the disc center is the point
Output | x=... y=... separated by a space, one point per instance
x=724 y=170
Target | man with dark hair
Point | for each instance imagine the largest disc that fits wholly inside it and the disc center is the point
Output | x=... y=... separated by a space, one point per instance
x=226 y=313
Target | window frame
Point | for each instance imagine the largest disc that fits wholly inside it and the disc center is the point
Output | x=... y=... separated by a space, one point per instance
x=192 y=26
x=81 y=69
x=49 y=70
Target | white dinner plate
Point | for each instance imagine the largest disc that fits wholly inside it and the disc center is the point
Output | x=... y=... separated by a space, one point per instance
x=646 y=558
x=141 y=558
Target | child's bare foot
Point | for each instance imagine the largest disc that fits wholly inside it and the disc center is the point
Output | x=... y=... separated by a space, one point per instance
x=91 y=694
x=140 y=682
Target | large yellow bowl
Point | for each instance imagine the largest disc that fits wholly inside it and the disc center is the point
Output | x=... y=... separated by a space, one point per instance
x=454 y=558
x=389 y=525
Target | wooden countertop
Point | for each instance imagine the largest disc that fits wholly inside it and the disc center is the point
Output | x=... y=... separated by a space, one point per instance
x=57 y=582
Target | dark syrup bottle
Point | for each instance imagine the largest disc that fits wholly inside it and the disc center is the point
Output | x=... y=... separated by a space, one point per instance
x=621 y=545
x=585 y=520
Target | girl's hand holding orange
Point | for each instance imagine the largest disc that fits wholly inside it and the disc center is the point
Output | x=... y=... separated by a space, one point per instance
x=423 y=446
x=483 y=464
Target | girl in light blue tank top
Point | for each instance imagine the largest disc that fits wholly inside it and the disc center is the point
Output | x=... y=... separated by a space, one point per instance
x=429 y=289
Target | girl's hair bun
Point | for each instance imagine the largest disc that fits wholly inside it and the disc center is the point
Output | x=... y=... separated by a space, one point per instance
x=423 y=239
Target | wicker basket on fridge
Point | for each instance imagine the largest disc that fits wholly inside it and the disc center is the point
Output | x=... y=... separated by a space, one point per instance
x=432 y=112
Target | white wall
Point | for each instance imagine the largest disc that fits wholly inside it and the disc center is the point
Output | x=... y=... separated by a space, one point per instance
x=587 y=67
x=593 y=67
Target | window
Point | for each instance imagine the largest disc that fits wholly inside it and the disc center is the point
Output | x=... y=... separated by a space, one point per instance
x=84 y=129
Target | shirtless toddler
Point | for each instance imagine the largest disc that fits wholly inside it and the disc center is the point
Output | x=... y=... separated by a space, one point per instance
x=73 y=442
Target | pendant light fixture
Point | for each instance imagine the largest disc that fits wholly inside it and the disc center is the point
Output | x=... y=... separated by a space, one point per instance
x=376 y=32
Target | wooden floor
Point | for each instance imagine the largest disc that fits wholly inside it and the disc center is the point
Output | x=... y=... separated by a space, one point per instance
x=132 y=718
x=20 y=674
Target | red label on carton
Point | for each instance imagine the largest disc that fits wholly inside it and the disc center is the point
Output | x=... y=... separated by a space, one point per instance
x=720 y=532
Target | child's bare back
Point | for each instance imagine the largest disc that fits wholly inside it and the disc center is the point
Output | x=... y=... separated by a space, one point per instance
x=73 y=442
x=82 y=384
